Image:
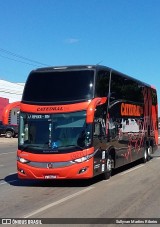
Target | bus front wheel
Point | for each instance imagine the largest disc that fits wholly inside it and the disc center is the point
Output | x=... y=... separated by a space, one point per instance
x=107 y=173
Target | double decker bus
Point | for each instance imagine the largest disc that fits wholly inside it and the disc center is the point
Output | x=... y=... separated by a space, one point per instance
x=77 y=122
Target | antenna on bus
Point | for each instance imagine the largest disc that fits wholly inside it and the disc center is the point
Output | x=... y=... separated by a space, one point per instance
x=99 y=62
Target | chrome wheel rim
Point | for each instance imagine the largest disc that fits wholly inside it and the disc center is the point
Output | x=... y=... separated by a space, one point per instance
x=109 y=164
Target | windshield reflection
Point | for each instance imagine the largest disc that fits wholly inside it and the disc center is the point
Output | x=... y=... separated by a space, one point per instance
x=54 y=131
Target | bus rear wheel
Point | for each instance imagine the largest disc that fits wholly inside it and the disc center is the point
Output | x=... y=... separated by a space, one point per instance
x=150 y=152
x=145 y=155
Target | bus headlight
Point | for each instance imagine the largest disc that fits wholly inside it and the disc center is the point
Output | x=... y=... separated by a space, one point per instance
x=82 y=159
x=22 y=160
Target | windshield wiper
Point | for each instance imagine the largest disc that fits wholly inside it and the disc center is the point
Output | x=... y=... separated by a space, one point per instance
x=71 y=145
x=29 y=146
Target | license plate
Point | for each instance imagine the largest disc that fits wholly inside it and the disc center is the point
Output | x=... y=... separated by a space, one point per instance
x=50 y=177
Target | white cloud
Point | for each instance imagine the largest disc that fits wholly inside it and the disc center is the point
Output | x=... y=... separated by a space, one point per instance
x=72 y=40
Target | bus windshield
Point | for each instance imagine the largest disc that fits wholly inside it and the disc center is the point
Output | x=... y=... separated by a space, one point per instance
x=59 y=86
x=54 y=132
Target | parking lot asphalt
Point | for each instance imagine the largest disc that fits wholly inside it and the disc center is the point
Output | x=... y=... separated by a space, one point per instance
x=4 y=140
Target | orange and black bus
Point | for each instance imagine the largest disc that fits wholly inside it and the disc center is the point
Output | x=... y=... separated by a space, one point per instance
x=78 y=122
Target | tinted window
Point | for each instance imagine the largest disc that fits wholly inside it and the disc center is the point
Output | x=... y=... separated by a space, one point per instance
x=126 y=89
x=102 y=83
x=154 y=96
x=62 y=86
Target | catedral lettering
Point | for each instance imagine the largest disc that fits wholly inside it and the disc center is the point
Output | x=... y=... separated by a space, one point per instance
x=53 y=108
x=131 y=110
x=70 y=133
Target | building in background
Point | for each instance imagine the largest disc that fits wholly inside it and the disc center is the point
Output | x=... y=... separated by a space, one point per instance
x=10 y=94
x=11 y=91
x=3 y=103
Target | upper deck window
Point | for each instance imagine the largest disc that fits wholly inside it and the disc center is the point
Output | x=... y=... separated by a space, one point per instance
x=59 y=86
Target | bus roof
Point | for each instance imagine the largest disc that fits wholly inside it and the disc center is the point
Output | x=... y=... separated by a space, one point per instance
x=84 y=67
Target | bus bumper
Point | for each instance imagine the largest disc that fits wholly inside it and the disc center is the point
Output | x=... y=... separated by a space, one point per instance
x=82 y=170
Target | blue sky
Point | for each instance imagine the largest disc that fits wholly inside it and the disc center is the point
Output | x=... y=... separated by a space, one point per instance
x=121 y=34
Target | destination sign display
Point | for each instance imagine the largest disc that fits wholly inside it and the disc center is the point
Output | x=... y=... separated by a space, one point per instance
x=39 y=116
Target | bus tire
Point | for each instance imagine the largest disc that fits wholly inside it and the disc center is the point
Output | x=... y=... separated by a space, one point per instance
x=107 y=173
x=145 y=155
x=150 y=152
